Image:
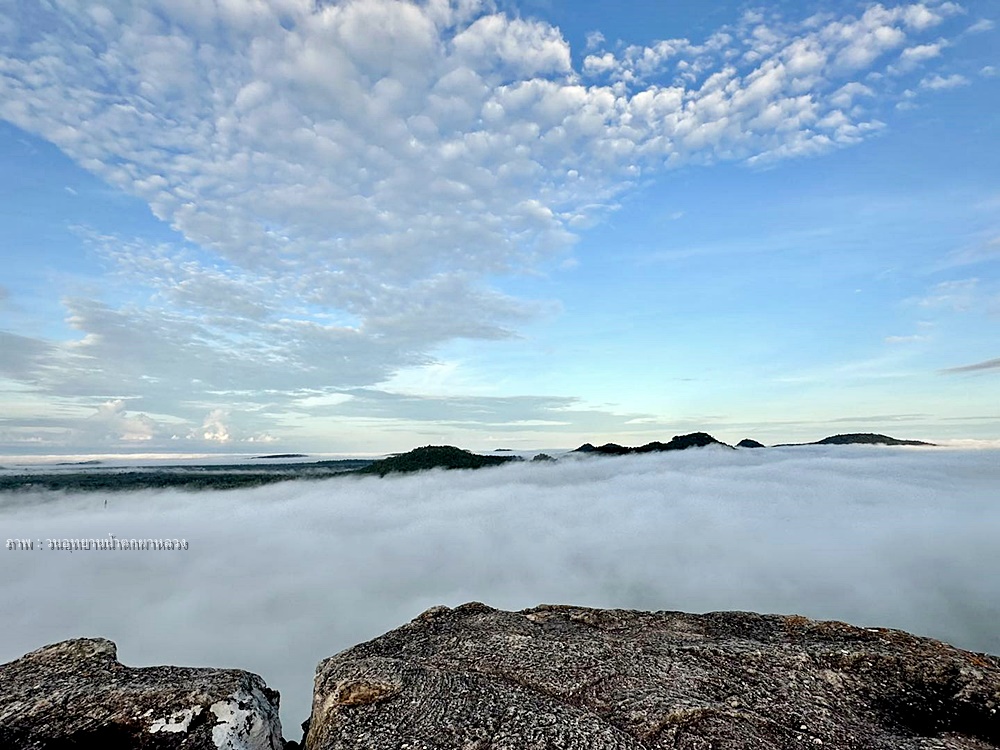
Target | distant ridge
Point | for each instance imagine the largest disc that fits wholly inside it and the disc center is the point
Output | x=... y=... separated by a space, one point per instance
x=676 y=443
x=89 y=477
x=700 y=439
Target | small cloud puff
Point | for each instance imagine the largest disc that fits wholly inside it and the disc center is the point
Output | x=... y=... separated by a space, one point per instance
x=913 y=56
x=981 y=26
x=943 y=83
x=214 y=429
x=594 y=39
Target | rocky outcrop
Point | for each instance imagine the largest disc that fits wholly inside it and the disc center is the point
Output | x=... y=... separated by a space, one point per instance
x=676 y=443
x=76 y=694
x=476 y=678
x=574 y=678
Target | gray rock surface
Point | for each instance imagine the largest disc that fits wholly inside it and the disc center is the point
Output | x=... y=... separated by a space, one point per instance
x=477 y=678
x=76 y=694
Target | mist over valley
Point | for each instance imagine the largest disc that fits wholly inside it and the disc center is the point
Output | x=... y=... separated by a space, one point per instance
x=278 y=577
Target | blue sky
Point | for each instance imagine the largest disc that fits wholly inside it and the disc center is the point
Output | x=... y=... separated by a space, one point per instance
x=375 y=224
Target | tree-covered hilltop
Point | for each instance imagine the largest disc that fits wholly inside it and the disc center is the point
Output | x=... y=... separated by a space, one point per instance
x=860 y=438
x=867 y=438
x=433 y=457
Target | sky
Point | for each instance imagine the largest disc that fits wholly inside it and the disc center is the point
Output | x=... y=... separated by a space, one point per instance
x=277 y=578
x=363 y=226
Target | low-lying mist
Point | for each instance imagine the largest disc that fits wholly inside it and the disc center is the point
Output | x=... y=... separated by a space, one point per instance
x=279 y=577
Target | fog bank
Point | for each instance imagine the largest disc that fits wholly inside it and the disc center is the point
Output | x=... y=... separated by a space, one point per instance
x=279 y=577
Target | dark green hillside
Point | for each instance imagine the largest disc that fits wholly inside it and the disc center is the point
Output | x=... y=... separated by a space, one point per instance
x=128 y=481
x=859 y=438
x=211 y=477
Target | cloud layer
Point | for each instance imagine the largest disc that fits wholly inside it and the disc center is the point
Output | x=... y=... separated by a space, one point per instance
x=349 y=177
x=277 y=578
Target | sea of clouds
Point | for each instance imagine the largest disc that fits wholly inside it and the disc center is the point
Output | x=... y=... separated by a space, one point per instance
x=279 y=577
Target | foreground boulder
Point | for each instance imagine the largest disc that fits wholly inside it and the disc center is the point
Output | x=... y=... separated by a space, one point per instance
x=77 y=694
x=567 y=677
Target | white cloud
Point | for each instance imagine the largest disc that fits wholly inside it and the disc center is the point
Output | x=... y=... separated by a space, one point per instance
x=921 y=16
x=943 y=83
x=980 y=26
x=283 y=576
x=989 y=71
x=214 y=428
x=348 y=176
x=844 y=97
x=867 y=39
x=522 y=49
x=921 y=52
